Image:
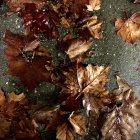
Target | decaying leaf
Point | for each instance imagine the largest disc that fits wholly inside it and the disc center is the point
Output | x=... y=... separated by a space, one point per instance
x=17 y=5
x=40 y=21
x=129 y=29
x=124 y=120
x=93 y=5
x=27 y=59
x=65 y=132
x=93 y=25
x=78 y=123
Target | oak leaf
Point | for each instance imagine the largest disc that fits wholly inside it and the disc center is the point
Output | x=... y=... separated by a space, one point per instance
x=17 y=5
x=129 y=29
x=123 y=121
x=27 y=60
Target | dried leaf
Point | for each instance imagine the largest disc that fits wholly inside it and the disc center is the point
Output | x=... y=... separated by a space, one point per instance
x=65 y=132
x=80 y=79
x=129 y=29
x=78 y=123
x=29 y=66
x=78 y=47
x=25 y=129
x=93 y=24
x=2 y=97
x=123 y=121
x=4 y=126
x=17 y=5
x=93 y=5
x=16 y=98
x=40 y=21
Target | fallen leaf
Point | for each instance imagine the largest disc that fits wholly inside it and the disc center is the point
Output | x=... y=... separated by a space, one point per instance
x=16 y=98
x=40 y=21
x=65 y=132
x=17 y=5
x=93 y=5
x=2 y=97
x=93 y=25
x=78 y=47
x=129 y=29
x=78 y=123
x=25 y=129
x=28 y=65
x=4 y=126
x=123 y=121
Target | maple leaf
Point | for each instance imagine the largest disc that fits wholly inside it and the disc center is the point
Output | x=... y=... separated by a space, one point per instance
x=123 y=121
x=27 y=60
x=80 y=79
x=129 y=29
x=17 y=5
x=92 y=27
x=93 y=5
x=40 y=21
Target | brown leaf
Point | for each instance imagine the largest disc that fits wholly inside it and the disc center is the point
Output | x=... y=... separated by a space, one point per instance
x=2 y=97
x=25 y=129
x=129 y=29
x=17 y=5
x=16 y=98
x=48 y=115
x=123 y=121
x=4 y=126
x=93 y=5
x=78 y=123
x=27 y=60
x=65 y=132
x=78 y=47
x=40 y=21
x=93 y=24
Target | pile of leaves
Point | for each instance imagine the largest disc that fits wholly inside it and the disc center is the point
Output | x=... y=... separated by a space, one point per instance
x=113 y=116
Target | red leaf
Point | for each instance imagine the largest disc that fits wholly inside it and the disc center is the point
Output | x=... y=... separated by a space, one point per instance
x=40 y=21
